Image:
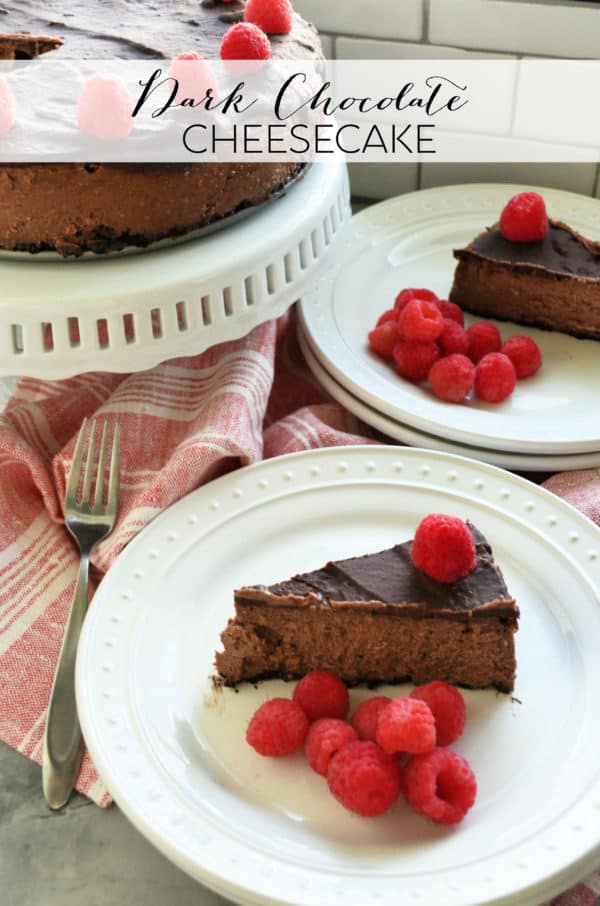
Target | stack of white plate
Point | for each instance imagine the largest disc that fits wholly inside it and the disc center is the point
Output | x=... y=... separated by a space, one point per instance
x=551 y=422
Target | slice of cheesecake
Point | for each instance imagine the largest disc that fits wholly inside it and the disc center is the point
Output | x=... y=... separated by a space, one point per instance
x=376 y=619
x=553 y=283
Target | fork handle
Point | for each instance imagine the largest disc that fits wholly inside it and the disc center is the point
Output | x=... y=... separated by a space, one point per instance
x=63 y=742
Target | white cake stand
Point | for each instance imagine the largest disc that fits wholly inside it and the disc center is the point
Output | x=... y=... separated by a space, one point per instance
x=130 y=312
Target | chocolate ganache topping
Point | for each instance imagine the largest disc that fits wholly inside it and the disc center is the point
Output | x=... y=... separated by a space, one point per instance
x=133 y=29
x=561 y=250
x=389 y=578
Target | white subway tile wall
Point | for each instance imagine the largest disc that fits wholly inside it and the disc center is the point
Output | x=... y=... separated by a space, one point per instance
x=459 y=29
x=580 y=177
x=369 y=49
x=327 y=42
x=379 y=181
x=371 y=18
x=567 y=29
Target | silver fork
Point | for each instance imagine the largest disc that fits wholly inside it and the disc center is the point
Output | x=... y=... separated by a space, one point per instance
x=89 y=520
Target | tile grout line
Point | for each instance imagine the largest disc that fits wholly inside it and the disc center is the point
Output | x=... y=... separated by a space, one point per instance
x=426 y=15
x=596 y=190
x=428 y=43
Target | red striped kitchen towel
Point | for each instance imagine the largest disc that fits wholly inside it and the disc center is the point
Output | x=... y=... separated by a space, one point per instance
x=183 y=423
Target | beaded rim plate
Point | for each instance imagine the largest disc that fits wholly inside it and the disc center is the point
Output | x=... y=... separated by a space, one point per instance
x=170 y=746
x=408 y=241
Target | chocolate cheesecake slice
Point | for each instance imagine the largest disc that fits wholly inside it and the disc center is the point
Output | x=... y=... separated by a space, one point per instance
x=376 y=619
x=553 y=283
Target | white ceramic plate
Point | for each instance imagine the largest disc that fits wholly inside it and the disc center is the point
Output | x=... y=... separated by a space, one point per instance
x=262 y=831
x=408 y=241
x=522 y=462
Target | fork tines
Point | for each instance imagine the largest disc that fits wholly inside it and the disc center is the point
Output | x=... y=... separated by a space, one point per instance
x=87 y=479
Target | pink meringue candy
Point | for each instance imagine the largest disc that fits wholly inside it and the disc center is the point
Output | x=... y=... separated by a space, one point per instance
x=104 y=108
x=7 y=107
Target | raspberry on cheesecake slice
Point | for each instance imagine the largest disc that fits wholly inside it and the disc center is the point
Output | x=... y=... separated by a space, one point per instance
x=377 y=619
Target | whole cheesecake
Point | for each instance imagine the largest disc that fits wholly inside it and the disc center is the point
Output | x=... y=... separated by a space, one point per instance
x=377 y=619
x=75 y=208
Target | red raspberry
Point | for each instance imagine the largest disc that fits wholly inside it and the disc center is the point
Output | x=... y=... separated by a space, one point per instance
x=448 y=709
x=440 y=785
x=275 y=17
x=407 y=295
x=453 y=338
x=426 y=294
x=406 y=725
x=495 y=378
x=452 y=378
x=194 y=76
x=420 y=321
x=524 y=219
x=322 y=694
x=443 y=548
x=326 y=737
x=364 y=719
x=451 y=311
x=389 y=315
x=7 y=110
x=364 y=779
x=414 y=361
x=104 y=108
x=279 y=727
x=525 y=355
x=483 y=338
x=383 y=338
x=402 y=299
x=245 y=41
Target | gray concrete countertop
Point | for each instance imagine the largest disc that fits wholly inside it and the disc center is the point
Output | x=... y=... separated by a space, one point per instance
x=81 y=855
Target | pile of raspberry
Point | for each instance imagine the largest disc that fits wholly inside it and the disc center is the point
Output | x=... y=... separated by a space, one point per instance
x=425 y=338
x=248 y=40
x=387 y=748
